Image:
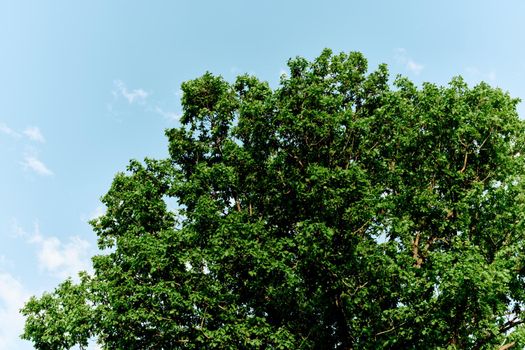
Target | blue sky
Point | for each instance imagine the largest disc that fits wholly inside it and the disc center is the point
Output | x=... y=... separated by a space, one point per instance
x=87 y=86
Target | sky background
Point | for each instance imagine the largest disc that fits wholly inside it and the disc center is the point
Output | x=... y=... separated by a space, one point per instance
x=85 y=86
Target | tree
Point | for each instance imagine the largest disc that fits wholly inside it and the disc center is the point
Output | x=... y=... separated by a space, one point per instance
x=337 y=211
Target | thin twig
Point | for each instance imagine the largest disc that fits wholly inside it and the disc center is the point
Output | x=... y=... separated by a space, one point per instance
x=390 y=330
x=507 y=346
x=464 y=162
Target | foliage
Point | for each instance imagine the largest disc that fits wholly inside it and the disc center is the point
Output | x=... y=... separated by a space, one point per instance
x=337 y=211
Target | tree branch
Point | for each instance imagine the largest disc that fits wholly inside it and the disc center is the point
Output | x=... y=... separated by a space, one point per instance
x=464 y=162
x=507 y=346
x=415 y=250
x=510 y=324
x=390 y=330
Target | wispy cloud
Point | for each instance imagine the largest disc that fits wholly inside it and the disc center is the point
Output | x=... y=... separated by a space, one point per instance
x=171 y=116
x=4 y=129
x=12 y=297
x=17 y=230
x=475 y=74
x=135 y=95
x=414 y=67
x=61 y=259
x=142 y=98
x=34 y=134
x=36 y=165
x=4 y=261
x=402 y=57
x=29 y=161
x=98 y=212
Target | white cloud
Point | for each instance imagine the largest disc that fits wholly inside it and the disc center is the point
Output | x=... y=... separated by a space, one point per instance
x=171 y=116
x=98 y=212
x=34 y=134
x=13 y=295
x=402 y=57
x=476 y=75
x=61 y=259
x=4 y=129
x=5 y=262
x=414 y=67
x=18 y=231
x=135 y=95
x=33 y=163
x=92 y=345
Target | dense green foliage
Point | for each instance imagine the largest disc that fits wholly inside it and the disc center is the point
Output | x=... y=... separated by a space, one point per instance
x=338 y=211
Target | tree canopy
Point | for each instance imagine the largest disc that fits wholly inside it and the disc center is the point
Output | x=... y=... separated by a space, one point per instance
x=339 y=210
